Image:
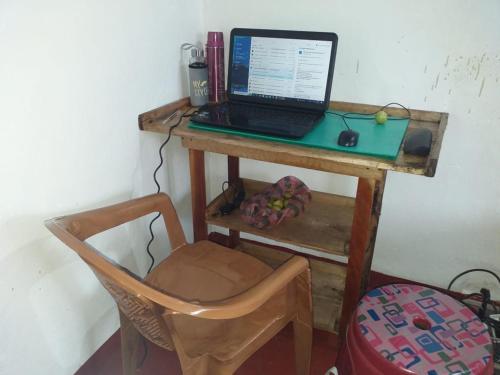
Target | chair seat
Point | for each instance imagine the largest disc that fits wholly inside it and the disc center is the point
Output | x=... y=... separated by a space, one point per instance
x=207 y=272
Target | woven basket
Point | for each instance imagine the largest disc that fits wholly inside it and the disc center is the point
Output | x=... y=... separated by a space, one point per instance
x=294 y=194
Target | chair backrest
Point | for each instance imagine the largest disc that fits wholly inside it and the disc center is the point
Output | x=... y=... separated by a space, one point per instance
x=125 y=287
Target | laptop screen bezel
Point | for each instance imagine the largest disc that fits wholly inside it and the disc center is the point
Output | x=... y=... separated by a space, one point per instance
x=285 y=34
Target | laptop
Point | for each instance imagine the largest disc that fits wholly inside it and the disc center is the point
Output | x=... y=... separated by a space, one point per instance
x=279 y=82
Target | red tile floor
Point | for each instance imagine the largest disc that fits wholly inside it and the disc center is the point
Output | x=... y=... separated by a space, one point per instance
x=276 y=357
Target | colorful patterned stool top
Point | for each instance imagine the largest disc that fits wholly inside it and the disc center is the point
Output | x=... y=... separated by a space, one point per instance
x=424 y=331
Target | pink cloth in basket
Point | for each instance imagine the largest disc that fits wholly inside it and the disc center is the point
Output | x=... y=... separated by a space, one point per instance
x=257 y=213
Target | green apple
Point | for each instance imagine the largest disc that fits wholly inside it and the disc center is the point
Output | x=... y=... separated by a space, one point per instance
x=381 y=117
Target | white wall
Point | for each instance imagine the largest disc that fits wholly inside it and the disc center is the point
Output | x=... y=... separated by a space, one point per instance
x=74 y=75
x=441 y=55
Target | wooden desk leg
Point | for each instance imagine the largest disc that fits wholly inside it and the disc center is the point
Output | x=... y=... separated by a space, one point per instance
x=198 y=194
x=233 y=175
x=364 y=230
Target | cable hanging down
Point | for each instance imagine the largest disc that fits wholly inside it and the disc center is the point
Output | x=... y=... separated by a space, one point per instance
x=158 y=188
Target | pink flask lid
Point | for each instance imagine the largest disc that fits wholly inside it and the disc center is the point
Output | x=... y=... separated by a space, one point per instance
x=215 y=39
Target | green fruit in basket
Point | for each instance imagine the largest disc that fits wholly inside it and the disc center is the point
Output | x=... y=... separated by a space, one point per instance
x=278 y=203
x=270 y=205
x=288 y=195
x=285 y=202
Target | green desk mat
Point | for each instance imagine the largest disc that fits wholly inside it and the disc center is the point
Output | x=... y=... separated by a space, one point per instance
x=374 y=140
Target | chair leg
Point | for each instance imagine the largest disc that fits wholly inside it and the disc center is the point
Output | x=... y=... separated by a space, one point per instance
x=130 y=340
x=302 y=324
x=303 y=343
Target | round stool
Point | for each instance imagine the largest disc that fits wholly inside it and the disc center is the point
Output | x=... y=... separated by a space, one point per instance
x=410 y=329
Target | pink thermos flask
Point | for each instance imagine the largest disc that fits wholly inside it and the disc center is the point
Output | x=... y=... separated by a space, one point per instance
x=215 y=61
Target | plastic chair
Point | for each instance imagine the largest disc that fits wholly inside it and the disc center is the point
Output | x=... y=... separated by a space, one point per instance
x=214 y=306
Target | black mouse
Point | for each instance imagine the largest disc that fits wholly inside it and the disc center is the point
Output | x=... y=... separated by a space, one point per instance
x=348 y=138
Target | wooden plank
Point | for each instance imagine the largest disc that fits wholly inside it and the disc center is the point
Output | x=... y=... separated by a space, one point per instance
x=233 y=176
x=198 y=194
x=437 y=140
x=233 y=169
x=416 y=114
x=364 y=230
x=271 y=257
x=153 y=118
x=311 y=158
x=325 y=225
x=328 y=280
x=328 y=284
x=281 y=153
x=375 y=215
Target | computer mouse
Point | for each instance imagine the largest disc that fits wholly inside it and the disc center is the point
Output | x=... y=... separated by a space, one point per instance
x=348 y=138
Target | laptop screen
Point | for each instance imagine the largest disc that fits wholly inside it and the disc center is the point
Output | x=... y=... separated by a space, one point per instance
x=281 y=69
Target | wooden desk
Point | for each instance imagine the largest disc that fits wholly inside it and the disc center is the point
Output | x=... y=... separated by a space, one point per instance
x=332 y=224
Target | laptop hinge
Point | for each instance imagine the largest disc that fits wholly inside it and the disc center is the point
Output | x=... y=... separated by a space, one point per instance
x=277 y=106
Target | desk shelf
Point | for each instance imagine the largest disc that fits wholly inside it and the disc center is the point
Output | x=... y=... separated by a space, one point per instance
x=325 y=225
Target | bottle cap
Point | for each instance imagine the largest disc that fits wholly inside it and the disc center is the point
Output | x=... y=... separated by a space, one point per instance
x=196 y=52
x=215 y=39
x=197 y=55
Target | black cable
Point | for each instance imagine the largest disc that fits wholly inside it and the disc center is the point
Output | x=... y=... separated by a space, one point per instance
x=381 y=109
x=481 y=311
x=341 y=116
x=495 y=307
x=365 y=116
x=472 y=270
x=482 y=300
x=158 y=188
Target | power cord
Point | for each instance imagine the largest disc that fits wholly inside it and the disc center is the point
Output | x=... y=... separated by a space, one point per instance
x=484 y=298
x=367 y=116
x=469 y=271
x=158 y=189
x=239 y=196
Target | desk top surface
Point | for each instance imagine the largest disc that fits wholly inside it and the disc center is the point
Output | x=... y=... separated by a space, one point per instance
x=374 y=140
x=160 y=120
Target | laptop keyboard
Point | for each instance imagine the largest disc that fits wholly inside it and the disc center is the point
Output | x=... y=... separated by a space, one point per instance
x=270 y=118
x=261 y=119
